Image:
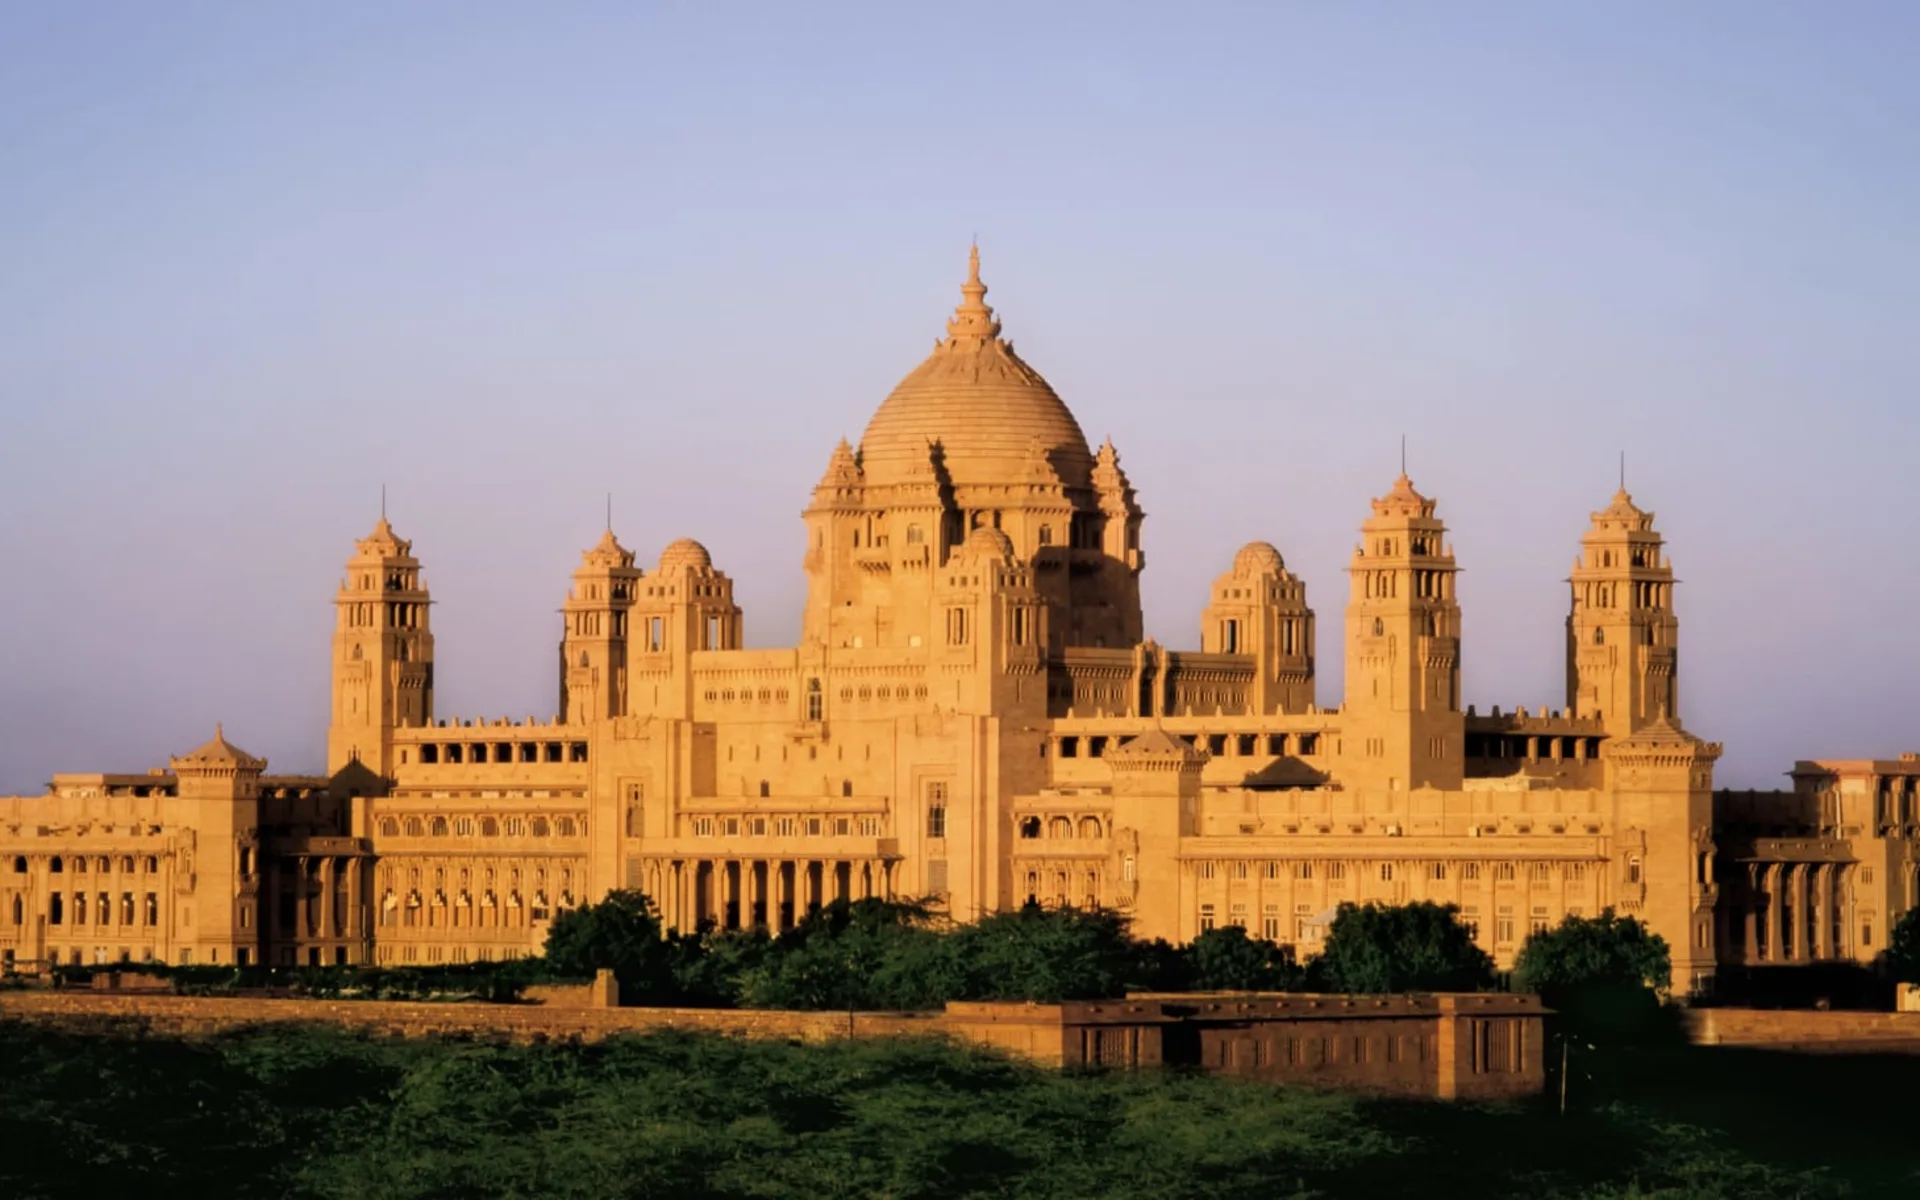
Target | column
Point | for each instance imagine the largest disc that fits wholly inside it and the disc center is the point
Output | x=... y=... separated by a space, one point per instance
x=1823 y=910
x=302 y=900
x=1775 y=893
x=1802 y=898
x=1750 y=907
x=862 y=881
x=750 y=884
x=327 y=929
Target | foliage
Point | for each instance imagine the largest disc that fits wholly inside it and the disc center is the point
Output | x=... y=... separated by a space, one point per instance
x=1227 y=959
x=1903 y=948
x=1606 y=950
x=1599 y=974
x=499 y=982
x=623 y=934
x=316 y=1114
x=1420 y=947
x=1046 y=955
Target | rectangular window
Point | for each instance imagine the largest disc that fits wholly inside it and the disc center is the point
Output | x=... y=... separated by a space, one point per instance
x=1470 y=917
x=1503 y=925
x=1206 y=917
x=703 y=827
x=1539 y=918
x=1270 y=922
x=656 y=634
x=936 y=809
x=786 y=826
x=1239 y=916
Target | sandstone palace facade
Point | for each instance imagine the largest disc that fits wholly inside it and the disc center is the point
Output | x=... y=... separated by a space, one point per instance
x=973 y=714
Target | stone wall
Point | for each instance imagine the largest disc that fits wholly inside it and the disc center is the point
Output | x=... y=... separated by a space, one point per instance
x=1799 y=1029
x=516 y=1022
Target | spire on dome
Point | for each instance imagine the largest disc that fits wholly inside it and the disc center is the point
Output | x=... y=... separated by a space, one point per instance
x=972 y=318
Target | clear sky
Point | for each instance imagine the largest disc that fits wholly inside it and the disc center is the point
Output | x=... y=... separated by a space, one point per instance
x=256 y=260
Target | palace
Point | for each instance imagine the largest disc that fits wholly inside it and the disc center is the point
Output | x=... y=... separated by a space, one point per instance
x=972 y=714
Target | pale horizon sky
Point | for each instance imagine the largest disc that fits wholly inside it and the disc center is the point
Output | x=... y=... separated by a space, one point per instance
x=258 y=261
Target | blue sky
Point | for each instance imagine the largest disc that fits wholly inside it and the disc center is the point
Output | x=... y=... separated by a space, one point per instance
x=257 y=261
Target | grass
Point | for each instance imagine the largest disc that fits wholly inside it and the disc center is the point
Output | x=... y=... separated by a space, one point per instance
x=321 y=1113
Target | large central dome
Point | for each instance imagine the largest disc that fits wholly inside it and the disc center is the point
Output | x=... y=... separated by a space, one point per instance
x=985 y=407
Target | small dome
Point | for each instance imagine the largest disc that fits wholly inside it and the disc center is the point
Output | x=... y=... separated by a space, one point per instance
x=685 y=553
x=990 y=543
x=1258 y=558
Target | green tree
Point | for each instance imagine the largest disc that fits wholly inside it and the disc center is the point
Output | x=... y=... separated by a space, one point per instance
x=1599 y=974
x=861 y=954
x=1047 y=955
x=1419 y=947
x=1903 y=948
x=1228 y=959
x=621 y=933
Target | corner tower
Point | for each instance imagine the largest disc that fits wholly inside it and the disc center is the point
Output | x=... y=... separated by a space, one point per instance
x=1403 y=726
x=593 y=645
x=382 y=652
x=1260 y=608
x=1622 y=635
x=220 y=788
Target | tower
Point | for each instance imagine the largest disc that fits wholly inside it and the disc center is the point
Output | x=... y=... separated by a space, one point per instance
x=1260 y=608
x=1403 y=726
x=685 y=606
x=593 y=645
x=382 y=652
x=1622 y=636
x=219 y=785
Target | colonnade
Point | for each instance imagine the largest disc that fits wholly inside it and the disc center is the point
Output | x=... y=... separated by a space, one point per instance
x=329 y=903
x=760 y=893
x=1790 y=912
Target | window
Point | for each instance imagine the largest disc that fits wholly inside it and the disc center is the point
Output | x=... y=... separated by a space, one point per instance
x=1127 y=868
x=1504 y=872
x=1471 y=871
x=1503 y=925
x=1540 y=872
x=1633 y=869
x=815 y=701
x=1206 y=917
x=1437 y=872
x=1270 y=922
x=1470 y=918
x=937 y=810
x=1206 y=872
x=1386 y=872
x=1303 y=870
x=703 y=827
x=1240 y=870
x=1539 y=923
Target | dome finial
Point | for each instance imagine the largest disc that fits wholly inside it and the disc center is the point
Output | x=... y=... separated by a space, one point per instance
x=973 y=319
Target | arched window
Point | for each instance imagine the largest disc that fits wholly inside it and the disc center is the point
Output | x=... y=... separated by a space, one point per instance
x=1060 y=827
x=56 y=909
x=1599 y=636
x=1379 y=627
x=389 y=827
x=153 y=865
x=815 y=701
x=20 y=864
x=439 y=827
x=1030 y=827
x=489 y=827
x=1089 y=827
x=583 y=658
x=79 y=864
x=19 y=911
x=126 y=864
x=915 y=535
x=415 y=828
x=564 y=827
x=540 y=827
x=356 y=654
x=56 y=866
